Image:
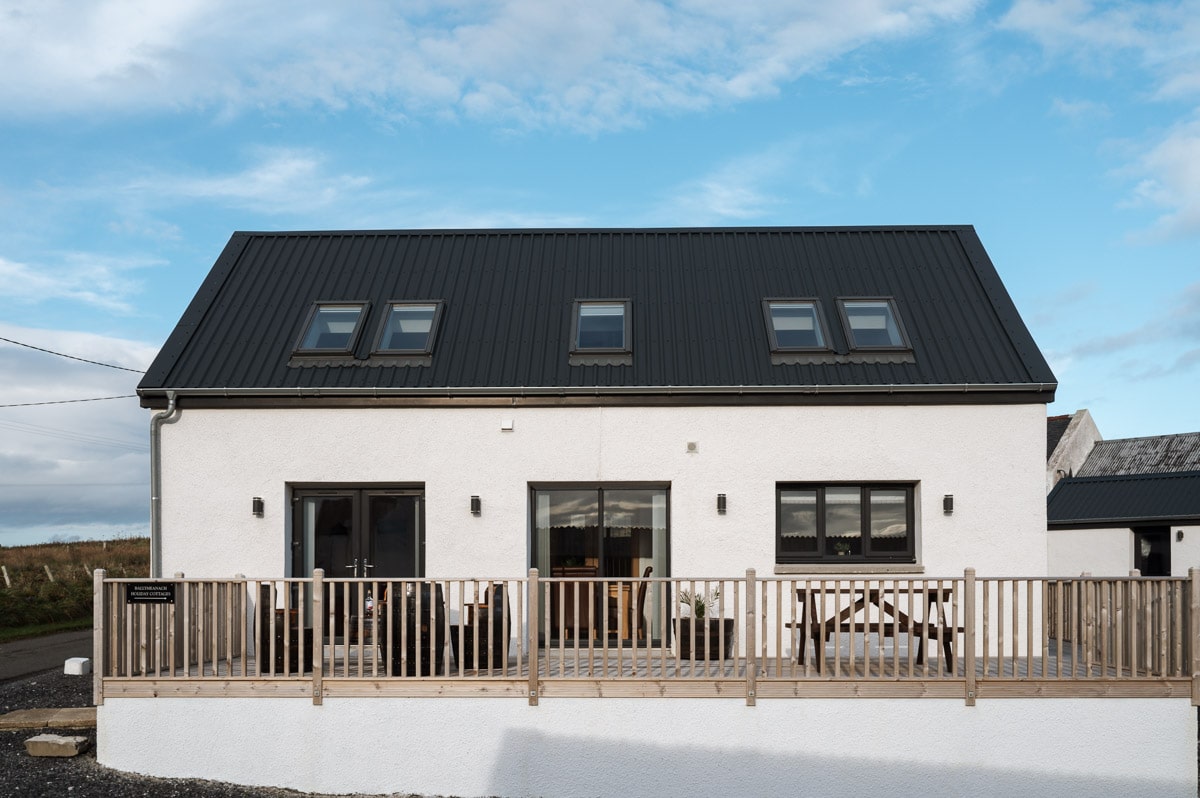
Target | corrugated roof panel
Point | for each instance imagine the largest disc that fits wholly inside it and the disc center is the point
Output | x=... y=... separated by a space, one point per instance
x=1123 y=500
x=696 y=316
x=1151 y=455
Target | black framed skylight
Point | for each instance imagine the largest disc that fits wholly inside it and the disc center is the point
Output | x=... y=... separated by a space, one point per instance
x=409 y=328
x=332 y=328
x=600 y=326
x=872 y=323
x=795 y=325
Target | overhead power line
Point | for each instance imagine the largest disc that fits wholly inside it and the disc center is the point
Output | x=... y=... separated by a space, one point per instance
x=70 y=357
x=76 y=436
x=72 y=401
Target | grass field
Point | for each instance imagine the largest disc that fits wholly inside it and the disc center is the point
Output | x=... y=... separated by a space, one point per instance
x=34 y=601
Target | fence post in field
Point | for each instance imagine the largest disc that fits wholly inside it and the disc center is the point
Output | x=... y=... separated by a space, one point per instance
x=98 y=666
x=318 y=636
x=531 y=630
x=969 y=634
x=751 y=641
x=49 y=574
x=1194 y=632
x=7 y=581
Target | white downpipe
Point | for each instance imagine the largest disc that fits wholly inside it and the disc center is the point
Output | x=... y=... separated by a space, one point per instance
x=168 y=416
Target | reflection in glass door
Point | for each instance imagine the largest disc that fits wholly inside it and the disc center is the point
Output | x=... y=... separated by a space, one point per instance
x=611 y=533
x=367 y=533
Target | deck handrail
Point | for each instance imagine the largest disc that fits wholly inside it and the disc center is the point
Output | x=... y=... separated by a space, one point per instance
x=751 y=636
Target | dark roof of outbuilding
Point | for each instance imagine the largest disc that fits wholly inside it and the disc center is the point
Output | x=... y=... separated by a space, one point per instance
x=697 y=320
x=1157 y=454
x=1124 y=500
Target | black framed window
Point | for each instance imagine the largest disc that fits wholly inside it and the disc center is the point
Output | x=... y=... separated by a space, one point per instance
x=838 y=523
x=795 y=325
x=332 y=327
x=600 y=326
x=872 y=323
x=409 y=328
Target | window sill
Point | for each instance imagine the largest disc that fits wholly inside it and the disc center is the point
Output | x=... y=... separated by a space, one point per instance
x=849 y=569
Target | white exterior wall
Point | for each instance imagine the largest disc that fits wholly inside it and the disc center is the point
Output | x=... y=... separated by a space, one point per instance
x=215 y=461
x=1185 y=554
x=663 y=747
x=1109 y=552
x=988 y=457
x=1099 y=552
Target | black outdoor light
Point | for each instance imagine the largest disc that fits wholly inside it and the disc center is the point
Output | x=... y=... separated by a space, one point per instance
x=256 y=506
x=476 y=505
x=948 y=504
x=721 y=503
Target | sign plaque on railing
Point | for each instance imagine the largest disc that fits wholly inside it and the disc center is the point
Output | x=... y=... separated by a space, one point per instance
x=150 y=593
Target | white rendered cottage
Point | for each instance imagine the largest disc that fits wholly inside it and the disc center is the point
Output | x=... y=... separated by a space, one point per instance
x=833 y=385
x=834 y=428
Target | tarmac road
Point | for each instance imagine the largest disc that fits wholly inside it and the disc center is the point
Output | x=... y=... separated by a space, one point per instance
x=23 y=657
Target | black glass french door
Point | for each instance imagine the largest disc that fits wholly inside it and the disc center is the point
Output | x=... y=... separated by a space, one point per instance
x=368 y=533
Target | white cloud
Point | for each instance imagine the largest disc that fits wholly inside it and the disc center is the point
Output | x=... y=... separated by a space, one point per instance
x=282 y=180
x=74 y=466
x=1161 y=38
x=738 y=191
x=1170 y=179
x=580 y=64
x=97 y=280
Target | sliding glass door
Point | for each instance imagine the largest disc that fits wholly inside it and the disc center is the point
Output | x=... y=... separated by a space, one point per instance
x=605 y=532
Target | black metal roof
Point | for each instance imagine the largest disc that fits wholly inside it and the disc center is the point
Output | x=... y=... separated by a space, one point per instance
x=1156 y=454
x=1125 y=500
x=697 y=321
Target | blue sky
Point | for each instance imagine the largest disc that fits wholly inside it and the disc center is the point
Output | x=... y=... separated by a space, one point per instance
x=138 y=135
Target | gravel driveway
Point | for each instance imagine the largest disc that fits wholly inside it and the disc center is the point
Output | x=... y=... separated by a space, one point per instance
x=24 y=776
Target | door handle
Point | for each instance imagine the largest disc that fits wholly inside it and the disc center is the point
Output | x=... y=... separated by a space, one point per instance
x=354 y=568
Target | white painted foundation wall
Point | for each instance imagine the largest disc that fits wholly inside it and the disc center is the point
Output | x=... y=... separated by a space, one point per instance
x=991 y=458
x=663 y=747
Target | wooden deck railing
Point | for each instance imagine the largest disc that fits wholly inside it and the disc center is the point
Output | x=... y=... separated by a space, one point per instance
x=746 y=637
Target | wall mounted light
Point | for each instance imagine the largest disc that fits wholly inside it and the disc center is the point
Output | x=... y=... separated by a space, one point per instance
x=256 y=506
x=476 y=505
x=721 y=503
x=948 y=504
x=1179 y=535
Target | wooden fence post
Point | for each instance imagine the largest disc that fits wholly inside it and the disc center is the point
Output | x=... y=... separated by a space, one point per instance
x=751 y=638
x=7 y=581
x=49 y=573
x=969 y=634
x=318 y=638
x=98 y=665
x=1194 y=635
x=531 y=629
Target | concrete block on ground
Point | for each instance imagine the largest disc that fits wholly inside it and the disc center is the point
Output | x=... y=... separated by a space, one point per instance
x=77 y=666
x=55 y=745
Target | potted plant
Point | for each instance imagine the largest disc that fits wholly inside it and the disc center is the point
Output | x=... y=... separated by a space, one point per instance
x=700 y=627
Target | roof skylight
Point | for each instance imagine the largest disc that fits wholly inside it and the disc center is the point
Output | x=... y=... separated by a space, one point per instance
x=409 y=328
x=601 y=326
x=872 y=324
x=795 y=325
x=332 y=327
